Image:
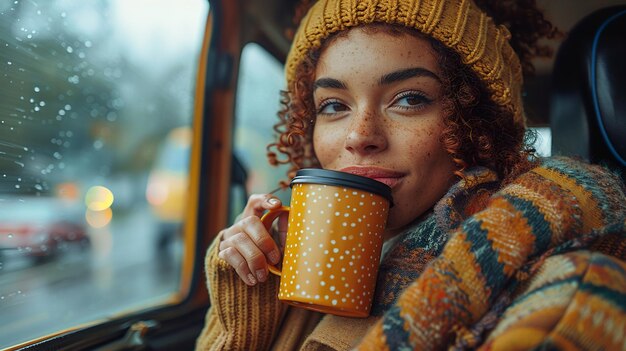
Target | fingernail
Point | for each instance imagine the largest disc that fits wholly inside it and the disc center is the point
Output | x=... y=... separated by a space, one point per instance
x=274 y=256
x=273 y=201
x=251 y=279
x=260 y=274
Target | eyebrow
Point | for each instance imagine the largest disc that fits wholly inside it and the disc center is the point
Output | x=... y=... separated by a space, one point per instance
x=405 y=74
x=329 y=83
x=386 y=79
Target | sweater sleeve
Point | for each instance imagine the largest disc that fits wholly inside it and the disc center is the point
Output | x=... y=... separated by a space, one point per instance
x=558 y=201
x=241 y=317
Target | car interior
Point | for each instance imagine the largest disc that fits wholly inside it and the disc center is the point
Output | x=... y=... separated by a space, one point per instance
x=586 y=83
x=575 y=96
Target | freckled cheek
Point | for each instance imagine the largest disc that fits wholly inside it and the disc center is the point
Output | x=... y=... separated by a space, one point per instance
x=327 y=144
x=424 y=143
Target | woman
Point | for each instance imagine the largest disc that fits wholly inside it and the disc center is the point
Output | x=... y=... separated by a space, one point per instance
x=485 y=246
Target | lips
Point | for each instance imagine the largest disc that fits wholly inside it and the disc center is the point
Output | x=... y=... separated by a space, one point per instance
x=386 y=176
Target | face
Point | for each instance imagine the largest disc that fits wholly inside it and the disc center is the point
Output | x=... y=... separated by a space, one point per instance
x=379 y=108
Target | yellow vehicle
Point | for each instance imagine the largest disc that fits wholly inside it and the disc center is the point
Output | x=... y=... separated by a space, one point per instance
x=167 y=187
x=168 y=105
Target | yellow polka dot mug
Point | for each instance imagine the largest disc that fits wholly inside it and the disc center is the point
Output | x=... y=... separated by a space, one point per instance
x=334 y=240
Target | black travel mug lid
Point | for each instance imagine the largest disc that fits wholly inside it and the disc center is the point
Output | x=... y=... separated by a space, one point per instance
x=337 y=178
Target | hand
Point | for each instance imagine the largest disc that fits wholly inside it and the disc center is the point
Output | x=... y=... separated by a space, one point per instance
x=248 y=246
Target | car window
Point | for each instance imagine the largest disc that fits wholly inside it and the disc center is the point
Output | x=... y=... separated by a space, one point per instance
x=543 y=142
x=95 y=129
x=261 y=79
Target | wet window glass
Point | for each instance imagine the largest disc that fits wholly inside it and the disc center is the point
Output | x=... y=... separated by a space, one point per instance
x=260 y=80
x=95 y=115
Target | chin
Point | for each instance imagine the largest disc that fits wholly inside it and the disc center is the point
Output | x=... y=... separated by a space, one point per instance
x=395 y=224
x=397 y=221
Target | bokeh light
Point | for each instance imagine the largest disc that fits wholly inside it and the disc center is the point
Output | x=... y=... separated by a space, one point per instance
x=98 y=219
x=68 y=191
x=98 y=198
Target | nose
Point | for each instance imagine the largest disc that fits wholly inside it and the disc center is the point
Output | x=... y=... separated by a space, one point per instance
x=366 y=134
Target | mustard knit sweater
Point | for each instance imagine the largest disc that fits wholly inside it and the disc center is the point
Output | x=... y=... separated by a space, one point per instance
x=540 y=262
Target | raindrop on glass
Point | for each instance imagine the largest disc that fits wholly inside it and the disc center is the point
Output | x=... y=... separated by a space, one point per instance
x=111 y=116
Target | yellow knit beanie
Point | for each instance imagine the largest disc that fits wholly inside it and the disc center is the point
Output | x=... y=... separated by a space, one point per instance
x=458 y=24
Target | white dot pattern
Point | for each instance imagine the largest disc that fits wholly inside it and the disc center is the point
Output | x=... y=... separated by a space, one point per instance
x=332 y=266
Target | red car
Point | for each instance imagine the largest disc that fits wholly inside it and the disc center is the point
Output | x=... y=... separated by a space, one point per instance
x=40 y=227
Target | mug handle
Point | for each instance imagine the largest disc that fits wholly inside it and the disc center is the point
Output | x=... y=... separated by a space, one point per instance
x=267 y=219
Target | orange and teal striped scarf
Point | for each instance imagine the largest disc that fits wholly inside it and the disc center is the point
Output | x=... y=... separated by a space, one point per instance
x=447 y=282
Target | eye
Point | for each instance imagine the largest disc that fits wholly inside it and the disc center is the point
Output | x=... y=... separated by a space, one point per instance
x=411 y=100
x=331 y=106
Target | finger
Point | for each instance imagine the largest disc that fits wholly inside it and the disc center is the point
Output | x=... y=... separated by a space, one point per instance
x=271 y=202
x=261 y=237
x=255 y=259
x=254 y=228
x=254 y=205
x=236 y=260
x=230 y=231
x=259 y=203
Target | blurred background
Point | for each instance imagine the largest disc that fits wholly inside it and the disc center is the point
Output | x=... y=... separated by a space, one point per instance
x=96 y=105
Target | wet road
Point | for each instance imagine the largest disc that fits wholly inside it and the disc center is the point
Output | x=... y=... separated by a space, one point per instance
x=122 y=269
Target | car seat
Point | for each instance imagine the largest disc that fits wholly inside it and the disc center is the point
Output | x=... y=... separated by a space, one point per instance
x=588 y=100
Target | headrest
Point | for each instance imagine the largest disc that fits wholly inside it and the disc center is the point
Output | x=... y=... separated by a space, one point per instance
x=588 y=103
